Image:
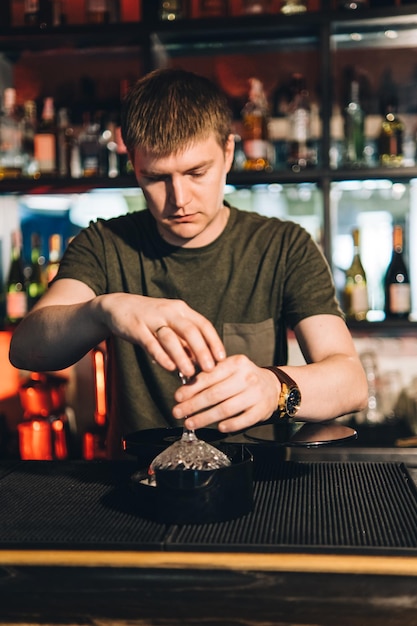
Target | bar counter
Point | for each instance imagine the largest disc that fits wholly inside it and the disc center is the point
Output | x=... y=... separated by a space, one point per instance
x=331 y=540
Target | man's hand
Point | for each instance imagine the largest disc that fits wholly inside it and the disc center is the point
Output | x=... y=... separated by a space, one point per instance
x=176 y=336
x=236 y=394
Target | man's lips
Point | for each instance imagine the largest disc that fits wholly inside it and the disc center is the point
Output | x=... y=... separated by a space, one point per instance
x=182 y=218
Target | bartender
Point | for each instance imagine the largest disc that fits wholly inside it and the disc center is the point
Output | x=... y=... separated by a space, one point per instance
x=193 y=285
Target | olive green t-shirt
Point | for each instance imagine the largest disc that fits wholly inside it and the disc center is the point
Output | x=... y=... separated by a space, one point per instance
x=258 y=278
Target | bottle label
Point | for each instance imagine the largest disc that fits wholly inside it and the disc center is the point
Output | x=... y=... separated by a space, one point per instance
x=301 y=125
x=45 y=151
x=31 y=6
x=97 y=5
x=359 y=300
x=16 y=305
x=255 y=148
x=400 y=298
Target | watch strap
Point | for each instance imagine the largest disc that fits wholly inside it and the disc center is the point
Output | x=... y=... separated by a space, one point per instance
x=287 y=384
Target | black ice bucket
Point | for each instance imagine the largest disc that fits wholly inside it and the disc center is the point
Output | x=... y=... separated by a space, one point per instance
x=197 y=496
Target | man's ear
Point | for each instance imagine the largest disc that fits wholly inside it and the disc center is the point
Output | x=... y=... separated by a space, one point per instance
x=229 y=151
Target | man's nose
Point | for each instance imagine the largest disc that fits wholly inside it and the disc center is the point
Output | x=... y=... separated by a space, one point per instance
x=180 y=191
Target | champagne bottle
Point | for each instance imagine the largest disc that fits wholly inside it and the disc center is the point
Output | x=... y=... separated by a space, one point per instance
x=354 y=119
x=355 y=294
x=16 y=302
x=45 y=141
x=390 y=142
x=397 y=281
x=255 y=116
x=36 y=283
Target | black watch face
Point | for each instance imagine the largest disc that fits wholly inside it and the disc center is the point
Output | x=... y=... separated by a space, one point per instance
x=293 y=401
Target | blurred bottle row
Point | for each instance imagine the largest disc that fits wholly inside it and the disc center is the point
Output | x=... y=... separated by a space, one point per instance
x=53 y=13
x=28 y=279
x=275 y=131
x=284 y=130
x=41 y=139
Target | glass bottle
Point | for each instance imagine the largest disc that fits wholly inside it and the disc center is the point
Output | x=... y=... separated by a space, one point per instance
x=45 y=140
x=255 y=117
x=253 y=7
x=354 y=124
x=35 y=284
x=100 y=11
x=16 y=300
x=390 y=141
x=290 y=7
x=89 y=146
x=355 y=293
x=55 y=251
x=38 y=13
x=300 y=151
x=65 y=142
x=212 y=8
x=397 y=281
x=28 y=138
x=170 y=10
x=11 y=154
x=5 y=14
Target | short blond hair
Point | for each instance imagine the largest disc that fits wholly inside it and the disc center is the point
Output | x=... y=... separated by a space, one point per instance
x=168 y=110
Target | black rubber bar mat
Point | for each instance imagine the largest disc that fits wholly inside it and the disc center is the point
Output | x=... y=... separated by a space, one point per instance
x=331 y=506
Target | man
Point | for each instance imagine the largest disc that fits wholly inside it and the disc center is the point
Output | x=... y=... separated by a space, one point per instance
x=195 y=286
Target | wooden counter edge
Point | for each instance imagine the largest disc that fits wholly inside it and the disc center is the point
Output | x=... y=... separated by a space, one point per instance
x=288 y=562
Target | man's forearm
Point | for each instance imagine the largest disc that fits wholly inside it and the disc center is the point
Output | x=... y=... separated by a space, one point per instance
x=55 y=337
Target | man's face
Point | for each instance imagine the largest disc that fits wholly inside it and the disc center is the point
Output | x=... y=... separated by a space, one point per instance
x=184 y=191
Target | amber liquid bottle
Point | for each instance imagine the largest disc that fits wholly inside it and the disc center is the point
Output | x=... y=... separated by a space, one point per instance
x=397 y=281
x=390 y=141
x=45 y=140
x=355 y=294
x=255 y=128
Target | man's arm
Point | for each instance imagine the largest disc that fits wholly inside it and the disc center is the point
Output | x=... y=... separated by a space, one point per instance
x=70 y=320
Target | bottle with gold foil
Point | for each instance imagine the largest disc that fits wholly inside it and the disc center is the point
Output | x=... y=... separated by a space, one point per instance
x=355 y=293
x=255 y=117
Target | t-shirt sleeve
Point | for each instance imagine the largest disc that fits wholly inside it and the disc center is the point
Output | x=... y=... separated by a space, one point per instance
x=309 y=288
x=85 y=259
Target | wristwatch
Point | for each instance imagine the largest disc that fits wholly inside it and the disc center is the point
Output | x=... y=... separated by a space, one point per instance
x=290 y=396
